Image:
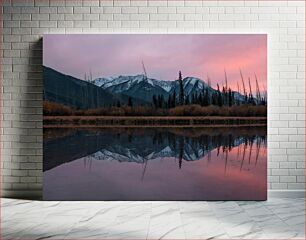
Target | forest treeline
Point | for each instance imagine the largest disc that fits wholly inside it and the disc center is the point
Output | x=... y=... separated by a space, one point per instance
x=224 y=97
x=245 y=110
x=209 y=102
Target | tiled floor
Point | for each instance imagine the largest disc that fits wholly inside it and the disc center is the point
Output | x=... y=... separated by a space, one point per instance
x=274 y=219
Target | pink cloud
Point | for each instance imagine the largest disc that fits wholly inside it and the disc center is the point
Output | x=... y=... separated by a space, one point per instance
x=164 y=55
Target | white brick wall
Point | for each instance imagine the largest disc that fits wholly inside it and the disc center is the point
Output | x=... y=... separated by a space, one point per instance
x=24 y=22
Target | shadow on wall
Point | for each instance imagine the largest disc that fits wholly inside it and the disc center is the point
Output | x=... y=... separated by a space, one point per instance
x=30 y=144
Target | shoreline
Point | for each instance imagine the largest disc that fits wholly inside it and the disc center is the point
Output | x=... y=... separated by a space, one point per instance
x=150 y=126
x=151 y=121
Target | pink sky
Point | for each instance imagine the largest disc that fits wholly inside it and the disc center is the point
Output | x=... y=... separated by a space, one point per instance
x=196 y=55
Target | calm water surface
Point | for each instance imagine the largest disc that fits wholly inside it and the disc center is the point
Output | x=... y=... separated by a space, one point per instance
x=155 y=164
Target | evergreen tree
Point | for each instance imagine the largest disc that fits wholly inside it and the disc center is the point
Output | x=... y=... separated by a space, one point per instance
x=200 y=99
x=158 y=101
x=118 y=104
x=187 y=101
x=169 y=102
x=130 y=103
x=173 y=99
x=224 y=96
x=182 y=95
x=230 y=97
x=214 y=99
x=193 y=98
x=162 y=101
x=154 y=101
x=208 y=97
x=205 y=99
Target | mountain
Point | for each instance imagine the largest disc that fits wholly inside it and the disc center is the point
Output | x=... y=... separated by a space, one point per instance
x=73 y=92
x=139 y=87
x=143 y=88
x=128 y=81
x=105 y=92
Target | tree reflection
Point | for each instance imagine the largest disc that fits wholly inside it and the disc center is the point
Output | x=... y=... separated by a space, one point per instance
x=143 y=145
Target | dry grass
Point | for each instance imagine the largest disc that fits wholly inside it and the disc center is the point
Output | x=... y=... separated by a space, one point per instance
x=54 y=109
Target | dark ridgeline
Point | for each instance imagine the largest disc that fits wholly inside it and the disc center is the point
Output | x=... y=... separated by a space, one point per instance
x=79 y=94
x=135 y=91
x=141 y=145
x=70 y=91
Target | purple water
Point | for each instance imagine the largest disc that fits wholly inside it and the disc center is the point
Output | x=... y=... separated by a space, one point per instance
x=155 y=164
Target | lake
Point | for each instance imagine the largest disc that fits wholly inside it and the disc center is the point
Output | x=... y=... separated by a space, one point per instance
x=142 y=163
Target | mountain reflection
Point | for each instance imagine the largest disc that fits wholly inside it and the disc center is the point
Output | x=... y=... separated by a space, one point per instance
x=140 y=145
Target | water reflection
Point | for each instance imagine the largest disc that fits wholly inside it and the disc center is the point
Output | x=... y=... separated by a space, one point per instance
x=154 y=161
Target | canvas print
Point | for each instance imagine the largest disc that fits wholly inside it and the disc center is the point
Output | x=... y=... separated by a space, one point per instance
x=155 y=117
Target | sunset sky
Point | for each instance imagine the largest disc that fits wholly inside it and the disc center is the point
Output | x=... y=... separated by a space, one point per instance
x=164 y=55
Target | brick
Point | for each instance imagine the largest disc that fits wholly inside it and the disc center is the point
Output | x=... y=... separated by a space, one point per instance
x=65 y=24
x=90 y=16
x=11 y=9
x=21 y=16
x=288 y=179
x=157 y=3
x=140 y=17
x=40 y=17
x=121 y=17
x=91 y=3
x=112 y=10
x=121 y=3
x=81 y=9
x=221 y=24
x=130 y=24
x=190 y=17
x=75 y=16
x=106 y=2
x=11 y=24
x=82 y=24
x=29 y=10
x=161 y=17
x=288 y=165
x=176 y=17
x=21 y=31
x=128 y=10
x=105 y=17
x=22 y=3
x=57 y=17
x=47 y=24
x=96 y=10
x=60 y=3
x=280 y=172
x=185 y=9
x=166 y=9
x=147 y=9
x=296 y=186
x=98 y=24
x=296 y=172
x=11 y=38
x=48 y=10
x=62 y=10
x=29 y=24
x=42 y=3
x=148 y=24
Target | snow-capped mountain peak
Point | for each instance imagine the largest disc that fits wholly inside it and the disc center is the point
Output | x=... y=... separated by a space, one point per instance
x=102 y=81
x=130 y=80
